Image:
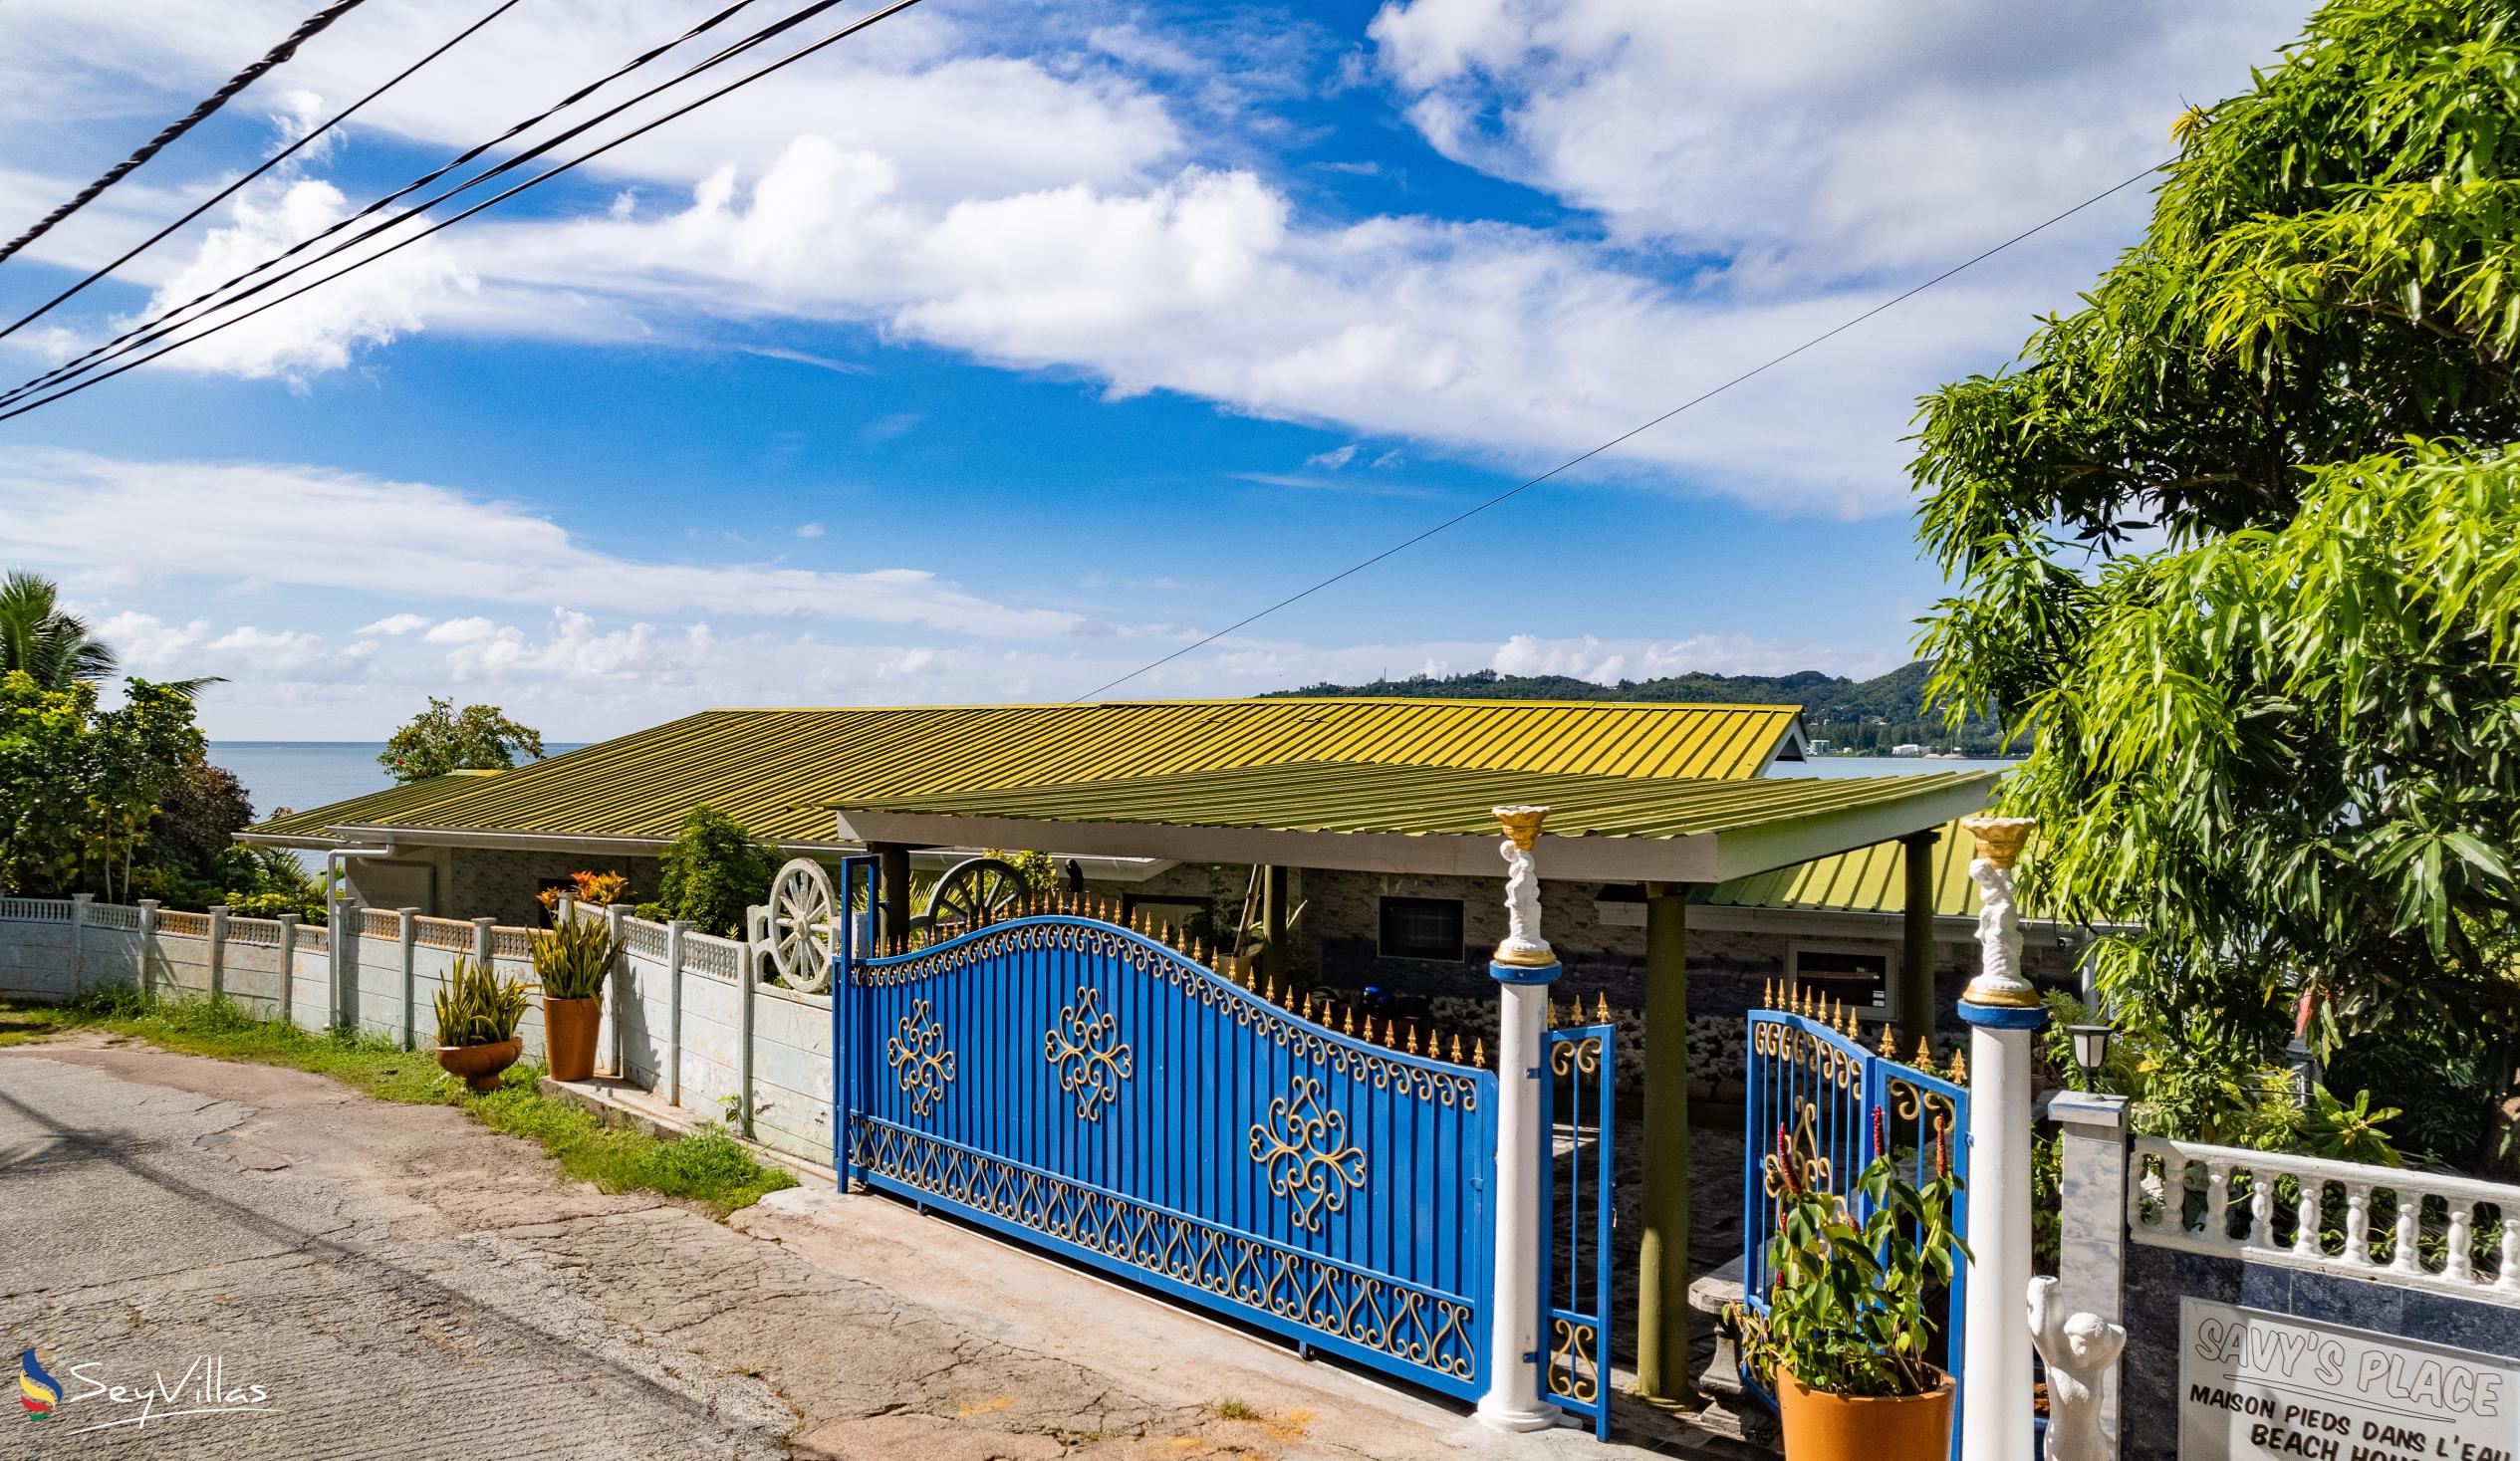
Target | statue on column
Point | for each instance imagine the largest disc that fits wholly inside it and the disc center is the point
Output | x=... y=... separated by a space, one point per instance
x=1998 y=980
x=1522 y=943
x=2077 y=1350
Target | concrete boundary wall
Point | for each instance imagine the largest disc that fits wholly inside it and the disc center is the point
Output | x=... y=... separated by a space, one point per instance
x=675 y=1021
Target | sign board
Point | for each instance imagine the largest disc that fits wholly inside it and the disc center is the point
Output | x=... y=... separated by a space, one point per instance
x=2261 y=1386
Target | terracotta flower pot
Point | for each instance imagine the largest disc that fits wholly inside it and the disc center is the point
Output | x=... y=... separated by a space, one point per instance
x=481 y=1065
x=569 y=1027
x=1820 y=1426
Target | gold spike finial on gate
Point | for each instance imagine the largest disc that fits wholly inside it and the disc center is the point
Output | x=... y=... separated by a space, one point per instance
x=1350 y=1028
x=1412 y=1040
x=1369 y=1029
x=1888 y=1050
x=1767 y=994
x=1456 y=1047
x=1478 y=1052
x=1601 y=1016
x=1959 y=1068
x=1925 y=1053
x=1273 y=989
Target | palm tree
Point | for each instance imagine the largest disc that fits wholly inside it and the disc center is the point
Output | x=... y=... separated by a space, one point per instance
x=36 y=636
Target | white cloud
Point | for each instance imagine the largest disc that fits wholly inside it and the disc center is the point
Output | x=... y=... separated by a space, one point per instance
x=1837 y=135
x=397 y=623
x=342 y=531
x=1332 y=461
x=808 y=530
x=1582 y=658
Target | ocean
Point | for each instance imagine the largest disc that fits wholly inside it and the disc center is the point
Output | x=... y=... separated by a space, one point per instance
x=300 y=775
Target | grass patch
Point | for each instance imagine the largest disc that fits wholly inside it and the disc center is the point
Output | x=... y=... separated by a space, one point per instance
x=705 y=1166
x=1232 y=1409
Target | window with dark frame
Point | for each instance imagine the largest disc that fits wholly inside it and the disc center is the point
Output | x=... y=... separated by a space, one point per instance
x=1421 y=928
x=1857 y=979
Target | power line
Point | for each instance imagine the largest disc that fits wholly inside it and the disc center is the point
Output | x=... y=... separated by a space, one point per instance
x=132 y=339
x=843 y=33
x=185 y=123
x=268 y=163
x=1512 y=492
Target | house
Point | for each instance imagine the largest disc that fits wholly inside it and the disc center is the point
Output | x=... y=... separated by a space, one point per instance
x=487 y=843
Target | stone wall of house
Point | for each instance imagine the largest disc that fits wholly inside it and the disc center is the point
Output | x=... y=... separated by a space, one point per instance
x=504 y=884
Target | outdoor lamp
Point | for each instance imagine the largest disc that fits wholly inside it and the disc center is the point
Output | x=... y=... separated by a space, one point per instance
x=2091 y=1047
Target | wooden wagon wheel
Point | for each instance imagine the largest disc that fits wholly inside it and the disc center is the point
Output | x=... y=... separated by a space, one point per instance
x=975 y=891
x=801 y=921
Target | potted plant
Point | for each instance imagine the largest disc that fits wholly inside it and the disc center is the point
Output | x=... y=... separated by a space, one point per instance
x=572 y=961
x=1847 y=1327
x=478 y=1016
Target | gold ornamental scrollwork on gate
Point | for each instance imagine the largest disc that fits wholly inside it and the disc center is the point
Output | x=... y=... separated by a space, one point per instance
x=1090 y=1059
x=919 y=1058
x=1305 y=1150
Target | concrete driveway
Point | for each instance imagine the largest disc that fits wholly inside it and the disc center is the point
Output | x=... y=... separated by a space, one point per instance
x=315 y=1273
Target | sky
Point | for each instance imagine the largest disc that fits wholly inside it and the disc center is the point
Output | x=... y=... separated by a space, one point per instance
x=1003 y=348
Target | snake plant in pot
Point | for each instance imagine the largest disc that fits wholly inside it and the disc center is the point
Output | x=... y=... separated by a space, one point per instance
x=572 y=961
x=1849 y=1320
x=478 y=1016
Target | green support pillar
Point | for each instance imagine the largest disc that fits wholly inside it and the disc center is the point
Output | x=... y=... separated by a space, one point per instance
x=892 y=873
x=1663 y=1275
x=1916 y=1004
x=1274 y=961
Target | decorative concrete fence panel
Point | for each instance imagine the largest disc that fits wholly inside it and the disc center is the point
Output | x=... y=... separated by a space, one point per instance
x=41 y=957
x=250 y=968
x=792 y=1071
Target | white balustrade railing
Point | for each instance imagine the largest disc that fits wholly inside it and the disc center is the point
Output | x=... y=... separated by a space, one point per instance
x=2181 y=1195
x=36 y=910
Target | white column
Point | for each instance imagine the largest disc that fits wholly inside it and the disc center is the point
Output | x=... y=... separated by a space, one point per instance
x=79 y=941
x=408 y=935
x=1524 y=967
x=2002 y=1010
x=675 y=931
x=289 y=969
x=148 y=945
x=218 y=950
x=2092 y=1263
x=617 y=990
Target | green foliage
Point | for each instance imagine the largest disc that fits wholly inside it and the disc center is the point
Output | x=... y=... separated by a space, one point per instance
x=1849 y=1313
x=51 y=648
x=80 y=787
x=2285 y=743
x=477 y=1007
x=2331 y=1128
x=713 y=871
x=441 y=739
x=573 y=960
x=1042 y=876
x=197 y=818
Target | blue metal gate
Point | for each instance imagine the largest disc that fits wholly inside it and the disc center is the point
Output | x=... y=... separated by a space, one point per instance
x=1087 y=1088
x=1814 y=1097
x=1577 y=1110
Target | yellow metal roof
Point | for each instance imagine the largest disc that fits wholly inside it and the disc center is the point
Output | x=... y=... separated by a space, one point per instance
x=1869 y=880
x=780 y=771
x=1435 y=820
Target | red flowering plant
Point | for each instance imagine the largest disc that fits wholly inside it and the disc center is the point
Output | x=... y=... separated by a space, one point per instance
x=1848 y=1314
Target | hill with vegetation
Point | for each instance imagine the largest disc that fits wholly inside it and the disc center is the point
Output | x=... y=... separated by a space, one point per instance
x=1865 y=717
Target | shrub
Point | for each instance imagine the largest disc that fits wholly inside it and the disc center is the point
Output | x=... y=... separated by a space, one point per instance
x=714 y=871
x=477 y=1007
x=573 y=960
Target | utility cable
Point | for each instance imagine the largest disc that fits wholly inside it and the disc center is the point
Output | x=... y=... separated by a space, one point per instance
x=185 y=123
x=1512 y=492
x=268 y=163
x=841 y=34
x=131 y=338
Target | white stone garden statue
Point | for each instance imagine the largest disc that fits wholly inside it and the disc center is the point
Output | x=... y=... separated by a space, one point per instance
x=2078 y=1349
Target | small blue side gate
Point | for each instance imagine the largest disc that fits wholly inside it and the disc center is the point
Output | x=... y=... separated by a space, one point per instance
x=1578 y=1114
x=1089 y=1090
x=1814 y=1092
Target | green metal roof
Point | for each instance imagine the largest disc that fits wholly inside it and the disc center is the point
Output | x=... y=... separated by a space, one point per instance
x=1869 y=880
x=780 y=771
x=1327 y=814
